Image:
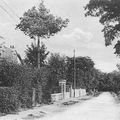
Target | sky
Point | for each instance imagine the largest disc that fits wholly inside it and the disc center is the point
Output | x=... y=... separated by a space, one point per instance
x=82 y=33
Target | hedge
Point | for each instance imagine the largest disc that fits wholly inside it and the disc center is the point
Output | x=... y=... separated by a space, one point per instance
x=17 y=84
x=9 y=101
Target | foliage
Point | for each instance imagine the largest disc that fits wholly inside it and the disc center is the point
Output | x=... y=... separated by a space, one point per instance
x=83 y=69
x=57 y=65
x=33 y=78
x=115 y=80
x=41 y=83
x=40 y=22
x=8 y=73
x=23 y=79
x=24 y=85
x=19 y=77
x=109 y=82
x=46 y=94
x=96 y=78
x=9 y=101
x=108 y=12
x=32 y=55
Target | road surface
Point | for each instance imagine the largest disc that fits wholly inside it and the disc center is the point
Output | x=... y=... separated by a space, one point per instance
x=102 y=107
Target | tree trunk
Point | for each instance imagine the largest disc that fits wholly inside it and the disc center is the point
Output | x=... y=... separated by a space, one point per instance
x=38 y=52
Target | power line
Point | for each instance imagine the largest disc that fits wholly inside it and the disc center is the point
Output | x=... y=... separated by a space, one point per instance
x=7 y=12
x=10 y=9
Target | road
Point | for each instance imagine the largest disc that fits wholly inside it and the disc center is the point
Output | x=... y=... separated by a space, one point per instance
x=102 y=107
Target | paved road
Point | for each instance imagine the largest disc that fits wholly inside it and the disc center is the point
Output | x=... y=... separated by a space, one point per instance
x=102 y=107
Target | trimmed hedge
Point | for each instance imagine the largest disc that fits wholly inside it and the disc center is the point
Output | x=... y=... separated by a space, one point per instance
x=41 y=83
x=24 y=85
x=17 y=84
x=9 y=101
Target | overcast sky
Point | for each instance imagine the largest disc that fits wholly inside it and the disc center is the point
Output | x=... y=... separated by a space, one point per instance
x=82 y=34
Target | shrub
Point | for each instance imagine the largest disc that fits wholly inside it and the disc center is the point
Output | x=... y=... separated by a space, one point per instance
x=8 y=73
x=20 y=78
x=23 y=79
x=46 y=95
x=24 y=85
x=41 y=82
x=9 y=101
x=25 y=97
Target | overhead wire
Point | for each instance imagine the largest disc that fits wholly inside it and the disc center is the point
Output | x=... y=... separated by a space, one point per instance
x=10 y=8
x=10 y=14
x=7 y=12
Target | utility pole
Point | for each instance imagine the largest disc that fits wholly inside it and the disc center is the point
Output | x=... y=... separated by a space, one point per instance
x=74 y=74
x=38 y=52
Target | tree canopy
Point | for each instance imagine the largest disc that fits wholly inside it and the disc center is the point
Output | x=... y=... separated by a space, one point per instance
x=83 y=69
x=39 y=22
x=57 y=65
x=108 y=12
x=32 y=55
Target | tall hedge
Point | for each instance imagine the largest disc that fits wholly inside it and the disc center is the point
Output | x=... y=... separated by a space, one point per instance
x=9 y=100
x=24 y=85
x=41 y=83
x=23 y=79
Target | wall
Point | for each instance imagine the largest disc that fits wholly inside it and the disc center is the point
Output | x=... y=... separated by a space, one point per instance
x=59 y=96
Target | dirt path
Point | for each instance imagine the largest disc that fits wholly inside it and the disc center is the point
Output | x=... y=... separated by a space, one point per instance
x=102 y=107
x=40 y=112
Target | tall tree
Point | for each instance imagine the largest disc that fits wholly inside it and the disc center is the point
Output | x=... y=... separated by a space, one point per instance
x=83 y=68
x=39 y=23
x=57 y=65
x=108 y=12
x=31 y=55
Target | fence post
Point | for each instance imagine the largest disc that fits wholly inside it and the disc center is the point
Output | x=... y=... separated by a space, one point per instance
x=33 y=97
x=70 y=91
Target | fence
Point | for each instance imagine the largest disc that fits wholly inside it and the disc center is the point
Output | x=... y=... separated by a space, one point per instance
x=66 y=95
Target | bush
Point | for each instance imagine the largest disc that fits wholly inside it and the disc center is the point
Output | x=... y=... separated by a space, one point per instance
x=25 y=98
x=23 y=79
x=20 y=78
x=9 y=101
x=24 y=85
x=8 y=73
x=46 y=96
x=41 y=83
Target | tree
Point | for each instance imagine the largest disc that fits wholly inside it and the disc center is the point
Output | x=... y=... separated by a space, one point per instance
x=83 y=68
x=108 y=12
x=39 y=23
x=31 y=55
x=97 y=75
x=57 y=65
x=116 y=81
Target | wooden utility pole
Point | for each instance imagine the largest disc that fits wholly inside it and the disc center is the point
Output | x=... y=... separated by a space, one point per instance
x=74 y=74
x=38 y=52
